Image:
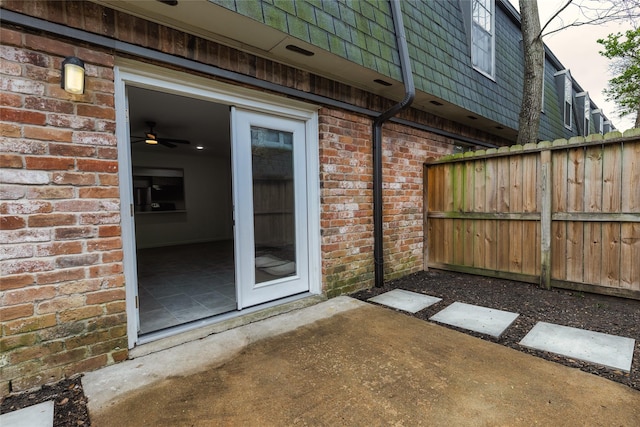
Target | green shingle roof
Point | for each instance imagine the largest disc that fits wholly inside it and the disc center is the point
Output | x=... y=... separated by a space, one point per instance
x=362 y=31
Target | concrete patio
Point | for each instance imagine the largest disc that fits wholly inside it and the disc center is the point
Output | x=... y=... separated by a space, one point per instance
x=346 y=362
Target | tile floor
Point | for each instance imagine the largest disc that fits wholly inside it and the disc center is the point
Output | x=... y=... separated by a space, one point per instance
x=180 y=284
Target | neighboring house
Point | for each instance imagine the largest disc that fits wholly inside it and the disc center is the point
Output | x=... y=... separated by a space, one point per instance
x=116 y=232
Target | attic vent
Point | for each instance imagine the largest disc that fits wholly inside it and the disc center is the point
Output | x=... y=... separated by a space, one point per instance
x=436 y=103
x=169 y=2
x=297 y=49
x=382 y=82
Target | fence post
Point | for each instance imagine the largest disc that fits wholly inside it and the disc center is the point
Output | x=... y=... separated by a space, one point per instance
x=545 y=219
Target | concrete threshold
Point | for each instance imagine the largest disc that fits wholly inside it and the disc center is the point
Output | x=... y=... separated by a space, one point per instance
x=197 y=330
x=107 y=386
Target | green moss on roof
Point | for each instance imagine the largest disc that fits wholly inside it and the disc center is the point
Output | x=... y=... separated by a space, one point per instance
x=362 y=31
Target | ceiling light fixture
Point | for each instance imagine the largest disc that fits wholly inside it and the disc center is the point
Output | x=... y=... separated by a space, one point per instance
x=72 y=75
x=151 y=138
x=199 y=147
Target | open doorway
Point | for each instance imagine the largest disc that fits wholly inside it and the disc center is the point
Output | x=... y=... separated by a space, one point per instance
x=219 y=187
x=183 y=209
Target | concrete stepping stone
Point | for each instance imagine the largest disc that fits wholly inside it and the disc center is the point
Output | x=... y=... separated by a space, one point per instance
x=40 y=415
x=405 y=300
x=603 y=349
x=485 y=320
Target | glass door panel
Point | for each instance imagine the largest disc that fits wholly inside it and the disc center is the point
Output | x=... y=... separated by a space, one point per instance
x=270 y=204
x=273 y=203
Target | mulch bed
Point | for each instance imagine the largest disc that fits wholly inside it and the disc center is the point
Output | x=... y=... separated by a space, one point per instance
x=70 y=403
x=600 y=313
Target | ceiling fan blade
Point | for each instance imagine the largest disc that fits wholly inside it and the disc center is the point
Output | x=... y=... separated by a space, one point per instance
x=166 y=143
x=174 y=141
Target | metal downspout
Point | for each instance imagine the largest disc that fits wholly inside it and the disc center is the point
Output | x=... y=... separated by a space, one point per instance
x=410 y=93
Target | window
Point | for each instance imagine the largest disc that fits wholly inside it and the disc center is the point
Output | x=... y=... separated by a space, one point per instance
x=482 y=40
x=598 y=119
x=587 y=114
x=583 y=113
x=568 y=100
x=544 y=79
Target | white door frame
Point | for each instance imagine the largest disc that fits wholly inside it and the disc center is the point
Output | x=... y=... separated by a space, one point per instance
x=249 y=292
x=129 y=72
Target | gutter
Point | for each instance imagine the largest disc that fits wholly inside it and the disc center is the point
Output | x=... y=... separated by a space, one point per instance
x=410 y=93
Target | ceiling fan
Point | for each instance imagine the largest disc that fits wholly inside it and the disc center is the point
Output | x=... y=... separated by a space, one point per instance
x=152 y=138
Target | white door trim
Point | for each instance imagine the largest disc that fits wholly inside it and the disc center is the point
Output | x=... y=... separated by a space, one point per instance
x=248 y=291
x=128 y=72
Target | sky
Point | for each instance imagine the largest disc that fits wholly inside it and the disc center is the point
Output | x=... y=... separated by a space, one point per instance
x=577 y=50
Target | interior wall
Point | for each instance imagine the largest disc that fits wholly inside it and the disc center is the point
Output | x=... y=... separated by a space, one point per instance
x=208 y=216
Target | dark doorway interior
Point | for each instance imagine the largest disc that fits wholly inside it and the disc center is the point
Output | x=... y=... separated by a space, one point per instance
x=183 y=208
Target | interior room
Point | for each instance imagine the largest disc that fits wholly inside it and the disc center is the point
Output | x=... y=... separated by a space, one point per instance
x=182 y=180
x=181 y=174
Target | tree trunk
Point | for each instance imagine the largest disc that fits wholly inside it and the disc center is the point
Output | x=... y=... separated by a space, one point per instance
x=637 y=125
x=531 y=107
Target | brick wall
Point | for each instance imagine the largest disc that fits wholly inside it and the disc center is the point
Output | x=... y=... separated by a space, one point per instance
x=62 y=303
x=62 y=289
x=346 y=201
x=346 y=221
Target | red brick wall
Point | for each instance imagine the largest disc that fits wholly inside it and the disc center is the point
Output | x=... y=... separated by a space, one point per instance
x=62 y=301
x=346 y=222
x=62 y=307
x=346 y=215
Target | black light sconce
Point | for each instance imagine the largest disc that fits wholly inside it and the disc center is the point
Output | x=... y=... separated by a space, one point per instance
x=72 y=75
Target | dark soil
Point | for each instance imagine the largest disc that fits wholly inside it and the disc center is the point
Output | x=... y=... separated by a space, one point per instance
x=70 y=403
x=600 y=313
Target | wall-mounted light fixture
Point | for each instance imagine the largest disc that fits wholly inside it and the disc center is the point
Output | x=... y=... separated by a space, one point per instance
x=72 y=75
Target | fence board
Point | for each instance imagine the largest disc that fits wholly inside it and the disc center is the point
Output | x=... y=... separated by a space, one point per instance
x=447 y=197
x=468 y=241
x=502 y=227
x=559 y=251
x=575 y=180
x=559 y=196
x=612 y=178
x=479 y=206
x=610 y=255
x=630 y=256
x=515 y=227
x=631 y=173
x=458 y=241
x=592 y=252
x=435 y=188
x=593 y=179
x=529 y=204
x=491 y=205
x=486 y=215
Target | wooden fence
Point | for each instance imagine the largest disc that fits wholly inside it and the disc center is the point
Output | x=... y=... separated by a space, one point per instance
x=563 y=214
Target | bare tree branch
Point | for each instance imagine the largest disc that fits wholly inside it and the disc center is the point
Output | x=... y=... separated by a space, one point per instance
x=554 y=17
x=600 y=13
